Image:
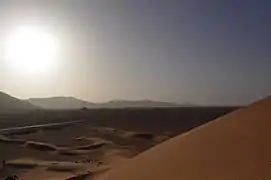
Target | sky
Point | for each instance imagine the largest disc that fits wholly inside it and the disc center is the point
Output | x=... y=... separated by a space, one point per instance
x=212 y=52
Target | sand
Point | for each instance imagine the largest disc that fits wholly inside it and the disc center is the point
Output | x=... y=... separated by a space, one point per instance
x=76 y=151
x=233 y=147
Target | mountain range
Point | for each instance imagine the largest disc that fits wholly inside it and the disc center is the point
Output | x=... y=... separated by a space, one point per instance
x=74 y=103
x=9 y=103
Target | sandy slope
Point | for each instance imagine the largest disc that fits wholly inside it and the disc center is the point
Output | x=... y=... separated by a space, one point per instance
x=73 y=151
x=234 y=147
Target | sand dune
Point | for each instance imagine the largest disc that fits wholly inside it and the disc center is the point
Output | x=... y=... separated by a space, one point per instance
x=72 y=151
x=40 y=146
x=75 y=151
x=7 y=140
x=65 y=152
x=235 y=146
x=22 y=163
x=91 y=146
x=54 y=169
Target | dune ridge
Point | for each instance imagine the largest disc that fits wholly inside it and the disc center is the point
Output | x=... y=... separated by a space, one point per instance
x=235 y=146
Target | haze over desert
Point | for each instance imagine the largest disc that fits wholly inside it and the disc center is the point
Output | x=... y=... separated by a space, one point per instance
x=135 y=90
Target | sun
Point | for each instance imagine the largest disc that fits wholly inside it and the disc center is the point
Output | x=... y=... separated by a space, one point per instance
x=31 y=49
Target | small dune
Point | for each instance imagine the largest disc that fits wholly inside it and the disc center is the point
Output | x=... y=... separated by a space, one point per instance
x=22 y=132
x=96 y=139
x=40 y=146
x=96 y=144
x=91 y=146
x=21 y=163
x=80 y=138
x=8 y=140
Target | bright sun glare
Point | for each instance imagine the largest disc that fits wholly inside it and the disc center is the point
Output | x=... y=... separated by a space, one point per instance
x=31 y=49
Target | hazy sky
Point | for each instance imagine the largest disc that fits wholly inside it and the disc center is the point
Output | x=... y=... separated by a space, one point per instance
x=199 y=51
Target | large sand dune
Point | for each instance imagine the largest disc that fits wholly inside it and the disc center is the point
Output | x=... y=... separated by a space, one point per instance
x=88 y=149
x=234 y=147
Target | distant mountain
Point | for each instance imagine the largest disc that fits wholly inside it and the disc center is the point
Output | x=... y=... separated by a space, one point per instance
x=60 y=103
x=11 y=104
x=74 y=103
x=134 y=104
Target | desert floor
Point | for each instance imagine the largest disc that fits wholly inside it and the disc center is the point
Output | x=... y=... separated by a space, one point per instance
x=104 y=140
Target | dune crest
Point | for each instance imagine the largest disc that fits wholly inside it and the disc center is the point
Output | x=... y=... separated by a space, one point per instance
x=235 y=146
